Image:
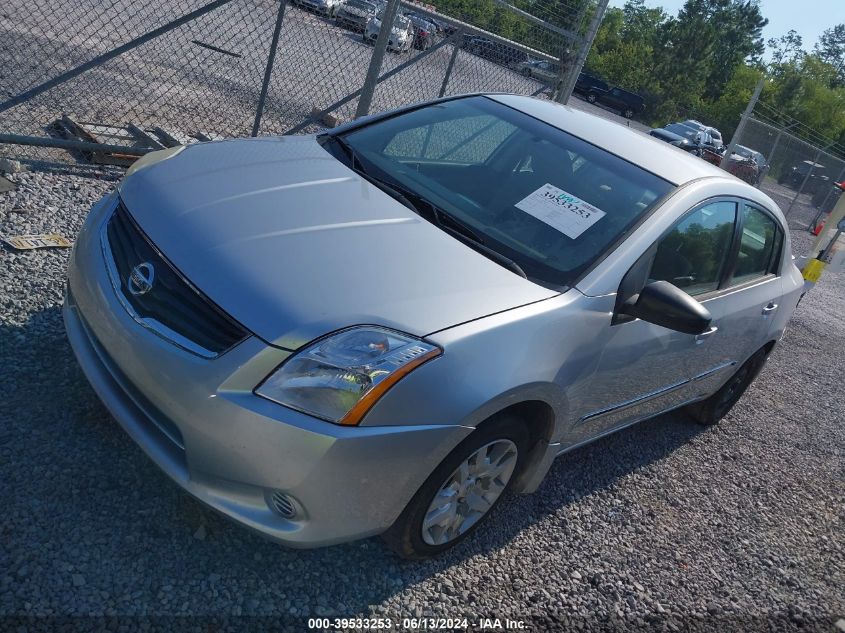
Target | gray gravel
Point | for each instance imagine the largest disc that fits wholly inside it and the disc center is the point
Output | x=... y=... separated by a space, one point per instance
x=665 y=526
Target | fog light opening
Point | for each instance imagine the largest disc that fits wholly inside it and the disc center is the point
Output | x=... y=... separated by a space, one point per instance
x=284 y=505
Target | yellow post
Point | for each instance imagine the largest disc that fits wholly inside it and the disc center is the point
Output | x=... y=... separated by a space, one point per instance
x=825 y=247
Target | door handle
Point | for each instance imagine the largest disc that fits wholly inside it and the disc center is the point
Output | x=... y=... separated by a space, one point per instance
x=700 y=338
x=769 y=309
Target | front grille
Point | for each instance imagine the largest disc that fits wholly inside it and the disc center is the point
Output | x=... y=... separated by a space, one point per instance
x=189 y=319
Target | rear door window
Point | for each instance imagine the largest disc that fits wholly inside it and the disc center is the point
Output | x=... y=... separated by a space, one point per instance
x=759 y=246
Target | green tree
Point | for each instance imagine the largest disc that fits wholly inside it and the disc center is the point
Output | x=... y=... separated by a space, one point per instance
x=739 y=28
x=831 y=49
x=785 y=49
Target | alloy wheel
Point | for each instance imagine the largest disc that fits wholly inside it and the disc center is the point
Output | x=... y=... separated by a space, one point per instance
x=469 y=492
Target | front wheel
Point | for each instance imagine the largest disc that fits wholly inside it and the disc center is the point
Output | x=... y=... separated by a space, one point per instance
x=461 y=492
x=708 y=412
x=591 y=98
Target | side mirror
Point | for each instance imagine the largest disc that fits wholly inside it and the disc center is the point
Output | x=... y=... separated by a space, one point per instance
x=663 y=304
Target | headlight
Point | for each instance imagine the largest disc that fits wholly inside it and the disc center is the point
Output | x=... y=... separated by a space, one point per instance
x=152 y=158
x=340 y=378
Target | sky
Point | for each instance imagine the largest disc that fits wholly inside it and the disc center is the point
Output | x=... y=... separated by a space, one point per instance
x=808 y=17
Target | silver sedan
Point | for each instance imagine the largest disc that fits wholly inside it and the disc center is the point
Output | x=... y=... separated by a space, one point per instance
x=384 y=328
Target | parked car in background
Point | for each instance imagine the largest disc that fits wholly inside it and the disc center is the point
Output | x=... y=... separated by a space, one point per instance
x=293 y=345
x=743 y=167
x=438 y=27
x=627 y=103
x=354 y=14
x=679 y=141
x=826 y=197
x=795 y=175
x=424 y=31
x=587 y=84
x=540 y=69
x=696 y=135
x=328 y=8
x=497 y=52
x=401 y=35
x=762 y=164
x=715 y=135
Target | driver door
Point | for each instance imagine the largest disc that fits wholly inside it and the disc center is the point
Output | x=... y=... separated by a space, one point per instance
x=645 y=369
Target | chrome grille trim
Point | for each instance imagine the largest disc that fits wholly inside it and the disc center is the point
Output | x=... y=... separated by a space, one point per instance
x=192 y=307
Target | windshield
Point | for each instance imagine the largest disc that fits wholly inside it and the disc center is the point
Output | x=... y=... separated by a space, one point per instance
x=547 y=200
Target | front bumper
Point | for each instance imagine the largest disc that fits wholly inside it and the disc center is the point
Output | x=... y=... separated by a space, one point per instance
x=199 y=421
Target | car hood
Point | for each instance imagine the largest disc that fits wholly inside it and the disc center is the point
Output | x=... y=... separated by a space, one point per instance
x=293 y=244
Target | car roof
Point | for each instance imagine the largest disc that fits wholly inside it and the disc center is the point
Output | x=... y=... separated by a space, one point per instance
x=636 y=147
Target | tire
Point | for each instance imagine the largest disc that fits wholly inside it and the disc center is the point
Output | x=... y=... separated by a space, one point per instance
x=708 y=412
x=628 y=114
x=406 y=536
x=526 y=72
x=591 y=98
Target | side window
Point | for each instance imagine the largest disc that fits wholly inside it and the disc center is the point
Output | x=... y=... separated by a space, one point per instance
x=465 y=140
x=759 y=246
x=693 y=253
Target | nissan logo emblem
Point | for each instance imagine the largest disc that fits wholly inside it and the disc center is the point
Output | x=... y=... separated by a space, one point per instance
x=141 y=279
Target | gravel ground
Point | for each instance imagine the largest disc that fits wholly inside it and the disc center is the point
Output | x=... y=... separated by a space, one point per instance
x=664 y=526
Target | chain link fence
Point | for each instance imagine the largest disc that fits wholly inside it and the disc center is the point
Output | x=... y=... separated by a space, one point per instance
x=796 y=167
x=110 y=81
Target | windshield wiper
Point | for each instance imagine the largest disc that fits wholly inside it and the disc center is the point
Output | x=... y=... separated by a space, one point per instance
x=435 y=214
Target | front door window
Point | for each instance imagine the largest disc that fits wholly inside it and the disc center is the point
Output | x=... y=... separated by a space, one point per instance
x=693 y=254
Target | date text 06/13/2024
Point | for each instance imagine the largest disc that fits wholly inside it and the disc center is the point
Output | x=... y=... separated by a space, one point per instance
x=417 y=624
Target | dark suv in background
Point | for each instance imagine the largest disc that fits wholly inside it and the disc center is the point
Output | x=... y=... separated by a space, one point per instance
x=496 y=52
x=627 y=103
x=588 y=83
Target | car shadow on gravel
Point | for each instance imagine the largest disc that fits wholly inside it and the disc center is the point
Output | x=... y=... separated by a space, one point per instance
x=117 y=521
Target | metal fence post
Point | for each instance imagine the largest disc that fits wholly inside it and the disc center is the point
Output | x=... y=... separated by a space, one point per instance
x=742 y=122
x=379 y=49
x=777 y=141
x=268 y=71
x=804 y=182
x=457 y=46
x=565 y=88
x=821 y=212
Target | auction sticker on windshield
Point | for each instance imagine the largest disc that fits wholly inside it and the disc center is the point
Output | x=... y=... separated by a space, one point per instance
x=560 y=210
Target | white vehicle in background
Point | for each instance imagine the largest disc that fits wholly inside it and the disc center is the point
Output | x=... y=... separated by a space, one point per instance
x=401 y=35
x=328 y=8
x=714 y=134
